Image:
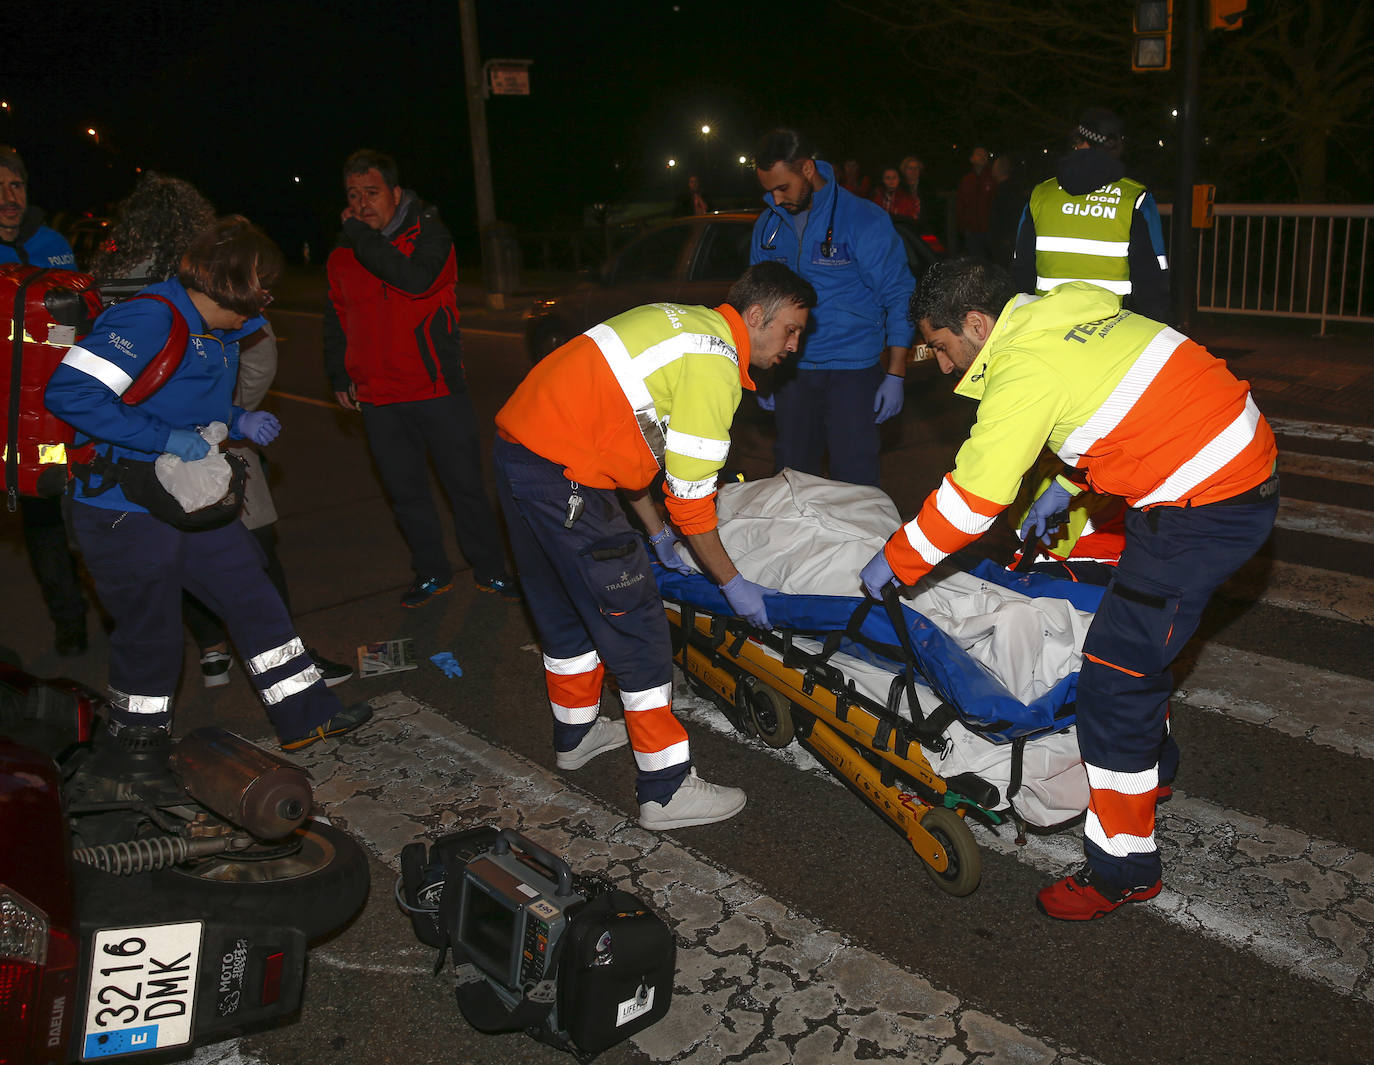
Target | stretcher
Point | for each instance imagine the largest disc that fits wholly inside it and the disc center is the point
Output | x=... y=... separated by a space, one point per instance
x=908 y=715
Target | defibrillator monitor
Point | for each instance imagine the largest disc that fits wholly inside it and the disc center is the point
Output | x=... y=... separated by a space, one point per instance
x=510 y=918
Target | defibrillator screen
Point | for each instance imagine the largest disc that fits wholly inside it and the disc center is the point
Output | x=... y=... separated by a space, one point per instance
x=488 y=932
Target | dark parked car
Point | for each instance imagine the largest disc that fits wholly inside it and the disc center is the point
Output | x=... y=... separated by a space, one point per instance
x=688 y=260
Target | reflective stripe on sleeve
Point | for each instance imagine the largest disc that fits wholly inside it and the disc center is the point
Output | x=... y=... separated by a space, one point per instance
x=920 y=543
x=958 y=513
x=293 y=685
x=1163 y=261
x=1214 y=454
x=697 y=447
x=1124 y=396
x=277 y=656
x=103 y=370
x=1121 y=288
x=689 y=489
x=565 y=667
x=1083 y=246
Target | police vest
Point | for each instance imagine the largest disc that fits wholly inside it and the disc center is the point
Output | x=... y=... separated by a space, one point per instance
x=1084 y=238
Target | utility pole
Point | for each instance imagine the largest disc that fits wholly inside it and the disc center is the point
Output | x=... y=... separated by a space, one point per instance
x=481 y=155
x=1182 y=267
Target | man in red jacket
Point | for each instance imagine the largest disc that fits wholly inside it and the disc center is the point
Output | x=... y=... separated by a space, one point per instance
x=392 y=351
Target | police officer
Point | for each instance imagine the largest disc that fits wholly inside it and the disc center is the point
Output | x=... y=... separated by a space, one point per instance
x=25 y=239
x=1092 y=223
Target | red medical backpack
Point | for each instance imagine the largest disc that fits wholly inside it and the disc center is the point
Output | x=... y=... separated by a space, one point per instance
x=47 y=312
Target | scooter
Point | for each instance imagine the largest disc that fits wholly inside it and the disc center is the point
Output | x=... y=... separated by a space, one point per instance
x=155 y=894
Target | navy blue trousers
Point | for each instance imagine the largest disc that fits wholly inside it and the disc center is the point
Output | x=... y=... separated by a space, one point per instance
x=590 y=588
x=1175 y=558
x=140 y=566
x=402 y=436
x=829 y=410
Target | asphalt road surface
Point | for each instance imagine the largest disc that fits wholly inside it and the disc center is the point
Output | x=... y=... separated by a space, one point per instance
x=807 y=930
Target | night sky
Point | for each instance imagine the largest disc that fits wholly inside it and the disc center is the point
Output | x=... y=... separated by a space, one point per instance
x=244 y=97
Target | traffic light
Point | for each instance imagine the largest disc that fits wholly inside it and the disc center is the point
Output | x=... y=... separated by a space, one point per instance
x=1204 y=197
x=1225 y=14
x=1153 y=25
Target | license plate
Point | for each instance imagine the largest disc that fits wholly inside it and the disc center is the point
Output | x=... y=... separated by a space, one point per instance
x=142 y=989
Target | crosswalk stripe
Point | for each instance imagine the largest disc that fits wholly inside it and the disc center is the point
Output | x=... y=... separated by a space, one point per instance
x=1228 y=875
x=1346 y=434
x=1326 y=519
x=1325 y=708
x=1310 y=589
x=1331 y=468
x=746 y=964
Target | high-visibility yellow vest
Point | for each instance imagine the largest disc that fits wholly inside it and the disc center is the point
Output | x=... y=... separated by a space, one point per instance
x=1084 y=238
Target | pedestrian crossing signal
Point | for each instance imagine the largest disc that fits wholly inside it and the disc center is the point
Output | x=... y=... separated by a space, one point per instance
x=1225 y=14
x=1153 y=26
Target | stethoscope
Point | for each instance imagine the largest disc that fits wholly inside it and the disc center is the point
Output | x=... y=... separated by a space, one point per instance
x=770 y=241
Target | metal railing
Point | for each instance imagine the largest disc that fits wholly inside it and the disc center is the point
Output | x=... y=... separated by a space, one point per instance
x=1288 y=261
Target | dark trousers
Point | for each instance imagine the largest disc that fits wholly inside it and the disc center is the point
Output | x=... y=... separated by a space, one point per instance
x=45 y=535
x=589 y=588
x=1175 y=558
x=829 y=410
x=141 y=566
x=402 y=436
x=206 y=629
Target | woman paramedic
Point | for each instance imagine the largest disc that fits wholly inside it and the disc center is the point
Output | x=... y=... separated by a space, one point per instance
x=140 y=564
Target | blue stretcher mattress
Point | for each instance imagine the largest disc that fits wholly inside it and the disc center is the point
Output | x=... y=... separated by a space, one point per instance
x=981 y=701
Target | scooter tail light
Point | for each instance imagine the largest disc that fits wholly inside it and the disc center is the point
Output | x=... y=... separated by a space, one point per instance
x=37 y=963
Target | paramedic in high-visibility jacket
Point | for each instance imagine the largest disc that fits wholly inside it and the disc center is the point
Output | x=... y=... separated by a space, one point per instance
x=655 y=387
x=1134 y=409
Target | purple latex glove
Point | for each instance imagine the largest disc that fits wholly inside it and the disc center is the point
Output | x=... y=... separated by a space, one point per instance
x=664 y=551
x=877 y=575
x=766 y=402
x=186 y=444
x=259 y=426
x=1044 y=514
x=889 y=399
x=746 y=600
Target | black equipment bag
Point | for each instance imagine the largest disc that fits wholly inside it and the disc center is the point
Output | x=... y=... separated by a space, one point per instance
x=141 y=486
x=612 y=971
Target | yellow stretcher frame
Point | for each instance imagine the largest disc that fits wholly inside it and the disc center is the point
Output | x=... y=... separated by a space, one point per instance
x=777 y=702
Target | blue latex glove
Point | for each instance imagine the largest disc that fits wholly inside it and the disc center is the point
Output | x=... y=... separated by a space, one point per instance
x=746 y=600
x=186 y=444
x=259 y=426
x=664 y=552
x=877 y=575
x=766 y=402
x=1051 y=502
x=889 y=399
x=445 y=661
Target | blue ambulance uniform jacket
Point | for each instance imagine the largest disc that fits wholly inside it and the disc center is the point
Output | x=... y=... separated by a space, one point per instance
x=85 y=389
x=863 y=287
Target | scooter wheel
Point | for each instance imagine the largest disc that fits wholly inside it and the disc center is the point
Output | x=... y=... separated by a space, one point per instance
x=965 y=866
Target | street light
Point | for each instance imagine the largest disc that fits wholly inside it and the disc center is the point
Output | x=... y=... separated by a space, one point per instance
x=90 y=130
x=706 y=130
x=672 y=163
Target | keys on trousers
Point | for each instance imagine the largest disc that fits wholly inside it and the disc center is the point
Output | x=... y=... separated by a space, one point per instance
x=574 y=508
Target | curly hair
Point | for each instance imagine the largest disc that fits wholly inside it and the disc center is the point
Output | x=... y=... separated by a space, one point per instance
x=154 y=226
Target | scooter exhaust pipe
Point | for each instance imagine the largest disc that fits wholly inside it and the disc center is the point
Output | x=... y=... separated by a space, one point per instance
x=262 y=794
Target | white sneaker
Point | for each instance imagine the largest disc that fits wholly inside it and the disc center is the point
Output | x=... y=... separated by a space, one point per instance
x=214 y=668
x=694 y=803
x=604 y=735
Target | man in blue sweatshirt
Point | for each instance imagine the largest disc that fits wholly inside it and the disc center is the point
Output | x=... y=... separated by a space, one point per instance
x=851 y=372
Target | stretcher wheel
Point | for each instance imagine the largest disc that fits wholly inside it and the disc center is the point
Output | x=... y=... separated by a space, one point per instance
x=771 y=715
x=965 y=867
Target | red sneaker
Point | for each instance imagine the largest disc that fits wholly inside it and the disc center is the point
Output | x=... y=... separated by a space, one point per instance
x=1082 y=898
